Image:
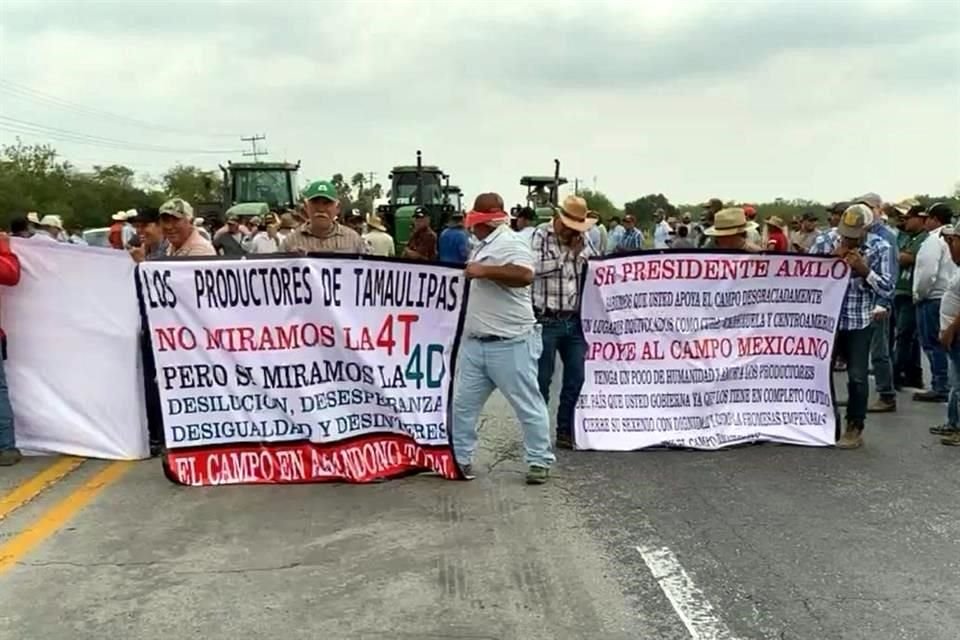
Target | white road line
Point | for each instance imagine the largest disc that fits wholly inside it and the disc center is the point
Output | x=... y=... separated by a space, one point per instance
x=696 y=613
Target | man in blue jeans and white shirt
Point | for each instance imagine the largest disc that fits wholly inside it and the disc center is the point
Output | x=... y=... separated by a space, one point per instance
x=560 y=251
x=868 y=257
x=501 y=342
x=931 y=274
x=950 y=341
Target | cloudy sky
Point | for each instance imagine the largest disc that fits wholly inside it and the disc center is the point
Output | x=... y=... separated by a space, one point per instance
x=745 y=100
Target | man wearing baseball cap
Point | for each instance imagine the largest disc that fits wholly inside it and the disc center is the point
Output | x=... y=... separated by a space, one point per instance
x=501 y=342
x=176 y=220
x=950 y=341
x=907 y=369
x=422 y=244
x=867 y=256
x=931 y=274
x=561 y=248
x=322 y=233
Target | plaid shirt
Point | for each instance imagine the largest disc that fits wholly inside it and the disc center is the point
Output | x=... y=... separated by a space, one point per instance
x=863 y=294
x=631 y=240
x=557 y=279
x=341 y=239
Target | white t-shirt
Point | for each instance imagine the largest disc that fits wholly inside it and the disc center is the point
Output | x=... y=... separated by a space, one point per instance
x=263 y=243
x=950 y=303
x=493 y=309
x=661 y=234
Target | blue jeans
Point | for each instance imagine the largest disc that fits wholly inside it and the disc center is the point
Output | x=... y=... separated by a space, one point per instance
x=511 y=367
x=880 y=359
x=953 y=400
x=563 y=336
x=928 y=328
x=6 y=413
x=853 y=346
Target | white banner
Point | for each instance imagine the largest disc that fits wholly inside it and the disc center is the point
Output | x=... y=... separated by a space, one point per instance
x=303 y=369
x=706 y=350
x=74 y=368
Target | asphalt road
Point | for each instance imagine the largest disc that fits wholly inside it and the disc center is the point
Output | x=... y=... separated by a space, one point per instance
x=759 y=542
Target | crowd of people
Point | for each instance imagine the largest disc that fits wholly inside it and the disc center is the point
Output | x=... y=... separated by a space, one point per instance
x=523 y=312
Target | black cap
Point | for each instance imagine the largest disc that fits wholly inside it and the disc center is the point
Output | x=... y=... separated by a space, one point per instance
x=527 y=213
x=809 y=215
x=940 y=211
x=915 y=210
x=420 y=212
x=837 y=207
x=146 y=215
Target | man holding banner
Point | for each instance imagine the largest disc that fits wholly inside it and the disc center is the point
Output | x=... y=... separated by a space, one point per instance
x=560 y=251
x=501 y=340
x=871 y=280
x=9 y=276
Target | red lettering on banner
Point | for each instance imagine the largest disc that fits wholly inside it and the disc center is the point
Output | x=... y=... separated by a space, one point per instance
x=702 y=349
x=612 y=351
x=800 y=268
x=355 y=461
x=173 y=338
x=784 y=346
x=694 y=269
x=269 y=338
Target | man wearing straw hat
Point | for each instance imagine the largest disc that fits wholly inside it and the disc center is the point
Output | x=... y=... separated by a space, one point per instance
x=379 y=241
x=501 y=341
x=729 y=231
x=561 y=248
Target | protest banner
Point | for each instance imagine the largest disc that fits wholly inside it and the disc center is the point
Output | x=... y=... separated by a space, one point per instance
x=707 y=350
x=73 y=365
x=304 y=369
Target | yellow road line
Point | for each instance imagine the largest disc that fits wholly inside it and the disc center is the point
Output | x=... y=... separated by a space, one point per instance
x=34 y=486
x=55 y=517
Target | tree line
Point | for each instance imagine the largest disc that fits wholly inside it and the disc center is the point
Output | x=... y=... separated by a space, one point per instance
x=33 y=179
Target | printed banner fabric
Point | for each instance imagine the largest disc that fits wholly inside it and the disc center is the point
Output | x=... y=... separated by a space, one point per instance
x=707 y=350
x=303 y=369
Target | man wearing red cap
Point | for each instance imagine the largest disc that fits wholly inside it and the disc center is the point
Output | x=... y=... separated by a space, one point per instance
x=501 y=340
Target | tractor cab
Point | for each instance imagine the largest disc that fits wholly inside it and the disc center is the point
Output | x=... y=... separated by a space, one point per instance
x=543 y=193
x=274 y=183
x=412 y=187
x=453 y=195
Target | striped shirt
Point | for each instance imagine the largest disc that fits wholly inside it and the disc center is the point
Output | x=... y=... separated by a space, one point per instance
x=557 y=271
x=863 y=294
x=341 y=239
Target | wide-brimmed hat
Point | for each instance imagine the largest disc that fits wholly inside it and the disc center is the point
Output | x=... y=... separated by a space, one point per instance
x=728 y=222
x=374 y=222
x=51 y=221
x=33 y=217
x=119 y=216
x=573 y=214
x=776 y=221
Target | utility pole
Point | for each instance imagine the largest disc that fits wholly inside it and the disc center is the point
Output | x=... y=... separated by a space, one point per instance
x=576 y=186
x=254 y=151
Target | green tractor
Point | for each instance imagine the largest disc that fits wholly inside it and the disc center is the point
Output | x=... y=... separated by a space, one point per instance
x=412 y=187
x=543 y=193
x=274 y=183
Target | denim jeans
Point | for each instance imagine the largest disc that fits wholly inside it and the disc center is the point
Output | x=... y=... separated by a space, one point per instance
x=906 y=361
x=953 y=400
x=6 y=413
x=563 y=336
x=511 y=367
x=880 y=359
x=928 y=325
x=854 y=347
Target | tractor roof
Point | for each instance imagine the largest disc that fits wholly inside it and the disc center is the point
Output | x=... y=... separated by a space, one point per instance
x=261 y=166
x=452 y=189
x=412 y=168
x=537 y=181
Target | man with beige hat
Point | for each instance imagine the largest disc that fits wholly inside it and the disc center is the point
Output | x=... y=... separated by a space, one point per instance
x=729 y=231
x=50 y=229
x=561 y=248
x=176 y=220
x=380 y=242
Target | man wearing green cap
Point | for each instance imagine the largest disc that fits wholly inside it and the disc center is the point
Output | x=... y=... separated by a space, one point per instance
x=322 y=233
